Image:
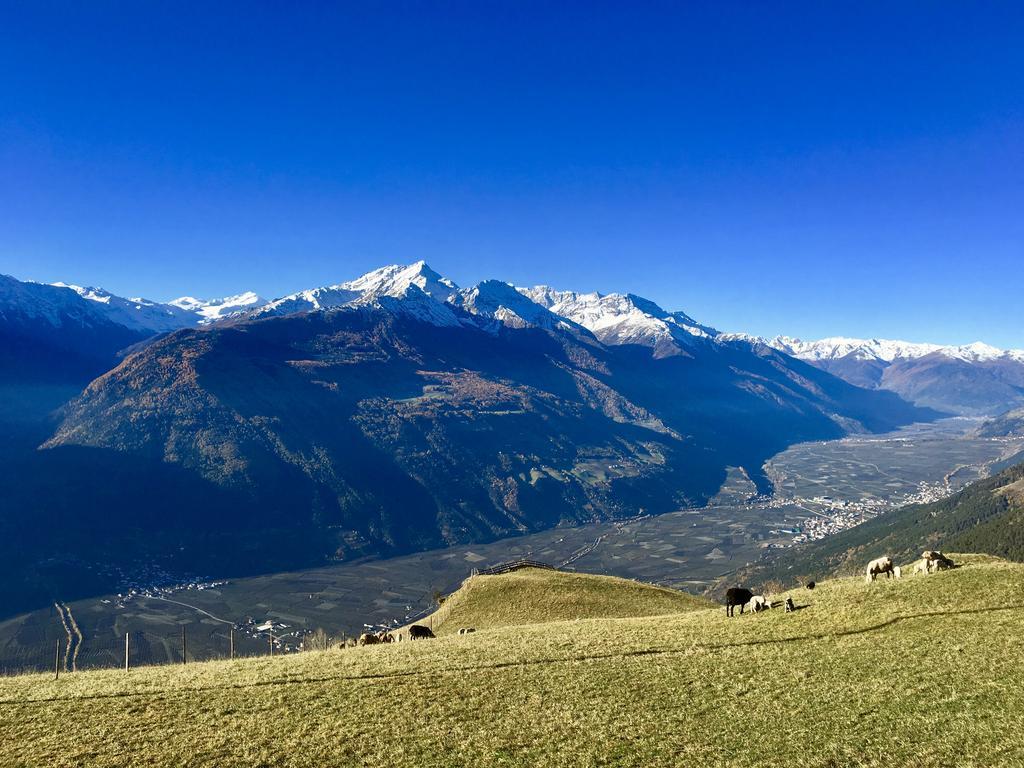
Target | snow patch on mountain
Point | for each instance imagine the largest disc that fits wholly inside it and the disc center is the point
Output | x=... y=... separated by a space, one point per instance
x=212 y=310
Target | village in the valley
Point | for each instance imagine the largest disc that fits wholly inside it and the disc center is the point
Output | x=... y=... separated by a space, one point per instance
x=829 y=516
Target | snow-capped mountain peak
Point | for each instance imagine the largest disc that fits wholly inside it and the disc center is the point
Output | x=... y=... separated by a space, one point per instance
x=211 y=310
x=395 y=281
x=414 y=289
x=618 y=318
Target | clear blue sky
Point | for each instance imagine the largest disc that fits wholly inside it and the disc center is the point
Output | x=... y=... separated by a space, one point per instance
x=811 y=169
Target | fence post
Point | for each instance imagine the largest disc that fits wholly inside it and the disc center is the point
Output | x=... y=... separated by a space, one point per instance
x=56 y=662
x=127 y=651
x=271 y=643
x=231 y=644
x=183 y=647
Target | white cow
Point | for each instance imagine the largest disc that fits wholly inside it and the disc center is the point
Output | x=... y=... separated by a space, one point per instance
x=879 y=566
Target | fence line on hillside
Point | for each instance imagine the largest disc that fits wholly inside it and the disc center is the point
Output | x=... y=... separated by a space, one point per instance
x=36 y=650
x=177 y=645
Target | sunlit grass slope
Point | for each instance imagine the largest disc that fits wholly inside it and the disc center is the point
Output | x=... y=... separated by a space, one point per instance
x=535 y=596
x=925 y=671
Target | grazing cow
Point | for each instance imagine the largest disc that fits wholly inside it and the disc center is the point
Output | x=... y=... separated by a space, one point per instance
x=877 y=567
x=790 y=607
x=932 y=560
x=368 y=638
x=466 y=630
x=736 y=596
x=386 y=637
x=811 y=585
x=759 y=602
x=419 y=632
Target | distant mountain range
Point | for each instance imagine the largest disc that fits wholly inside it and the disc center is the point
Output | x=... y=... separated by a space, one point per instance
x=973 y=379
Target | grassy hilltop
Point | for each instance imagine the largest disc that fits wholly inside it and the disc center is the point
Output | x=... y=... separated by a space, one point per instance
x=924 y=671
x=535 y=596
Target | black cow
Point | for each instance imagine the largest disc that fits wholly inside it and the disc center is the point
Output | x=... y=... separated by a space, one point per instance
x=811 y=585
x=736 y=596
x=419 y=632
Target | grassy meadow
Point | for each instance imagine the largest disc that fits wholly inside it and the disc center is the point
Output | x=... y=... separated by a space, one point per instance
x=925 y=671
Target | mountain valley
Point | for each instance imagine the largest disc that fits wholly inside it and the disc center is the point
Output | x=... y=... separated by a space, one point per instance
x=390 y=414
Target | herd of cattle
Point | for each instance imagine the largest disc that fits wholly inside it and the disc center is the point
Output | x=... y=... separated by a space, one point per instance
x=931 y=561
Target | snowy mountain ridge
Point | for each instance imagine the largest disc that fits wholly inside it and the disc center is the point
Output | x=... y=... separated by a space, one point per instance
x=135 y=313
x=417 y=290
x=887 y=350
x=414 y=289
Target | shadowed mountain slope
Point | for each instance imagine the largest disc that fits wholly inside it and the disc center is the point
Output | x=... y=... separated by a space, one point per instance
x=370 y=430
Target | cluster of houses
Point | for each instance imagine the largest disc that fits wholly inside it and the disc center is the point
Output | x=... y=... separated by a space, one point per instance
x=165 y=591
x=285 y=639
x=830 y=516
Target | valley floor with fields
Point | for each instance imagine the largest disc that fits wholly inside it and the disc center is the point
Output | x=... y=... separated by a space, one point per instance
x=922 y=671
x=830 y=484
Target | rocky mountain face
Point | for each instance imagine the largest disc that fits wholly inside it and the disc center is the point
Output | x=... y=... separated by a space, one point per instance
x=973 y=379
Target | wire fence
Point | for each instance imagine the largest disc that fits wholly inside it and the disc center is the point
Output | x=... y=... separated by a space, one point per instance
x=35 y=649
x=148 y=648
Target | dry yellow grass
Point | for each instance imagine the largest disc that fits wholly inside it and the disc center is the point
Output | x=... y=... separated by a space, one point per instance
x=925 y=671
x=536 y=596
